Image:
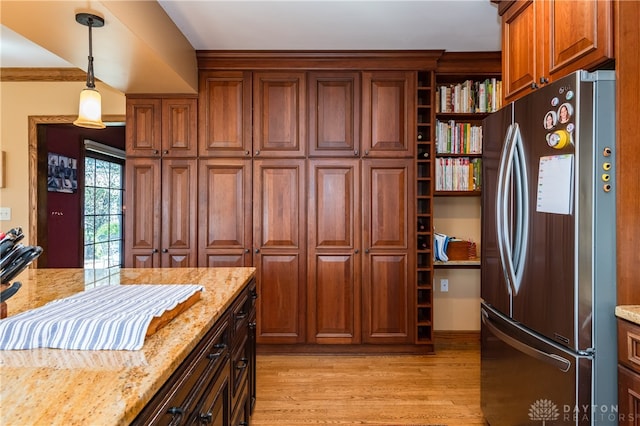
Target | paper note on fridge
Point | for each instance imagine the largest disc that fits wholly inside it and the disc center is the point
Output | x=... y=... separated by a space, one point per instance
x=555 y=184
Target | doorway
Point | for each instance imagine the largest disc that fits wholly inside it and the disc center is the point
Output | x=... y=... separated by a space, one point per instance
x=40 y=214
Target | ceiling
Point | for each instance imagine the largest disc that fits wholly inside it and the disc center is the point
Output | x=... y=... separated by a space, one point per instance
x=453 y=25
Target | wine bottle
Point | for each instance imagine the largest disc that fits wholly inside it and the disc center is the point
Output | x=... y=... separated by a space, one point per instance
x=422 y=243
x=422 y=226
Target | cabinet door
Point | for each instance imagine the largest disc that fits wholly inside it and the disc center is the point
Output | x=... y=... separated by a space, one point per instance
x=388 y=288
x=179 y=127
x=225 y=113
x=179 y=198
x=388 y=114
x=523 y=47
x=580 y=35
x=224 y=227
x=142 y=208
x=334 y=261
x=144 y=127
x=279 y=200
x=279 y=110
x=334 y=114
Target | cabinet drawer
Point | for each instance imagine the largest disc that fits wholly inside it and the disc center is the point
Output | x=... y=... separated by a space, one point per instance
x=241 y=411
x=240 y=362
x=629 y=345
x=174 y=403
x=214 y=408
x=240 y=314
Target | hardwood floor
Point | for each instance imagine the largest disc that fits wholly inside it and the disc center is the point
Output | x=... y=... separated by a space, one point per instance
x=440 y=389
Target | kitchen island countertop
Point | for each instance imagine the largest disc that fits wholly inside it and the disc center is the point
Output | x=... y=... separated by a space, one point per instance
x=629 y=312
x=72 y=387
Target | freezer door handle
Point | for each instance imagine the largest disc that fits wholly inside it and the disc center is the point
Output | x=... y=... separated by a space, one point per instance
x=556 y=361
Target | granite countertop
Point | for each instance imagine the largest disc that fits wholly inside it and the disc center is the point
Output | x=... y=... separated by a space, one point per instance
x=71 y=387
x=629 y=312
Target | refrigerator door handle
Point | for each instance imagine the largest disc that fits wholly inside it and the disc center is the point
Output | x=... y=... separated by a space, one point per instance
x=556 y=361
x=502 y=208
x=521 y=195
x=512 y=249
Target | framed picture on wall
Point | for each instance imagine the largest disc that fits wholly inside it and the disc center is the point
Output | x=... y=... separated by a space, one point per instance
x=62 y=173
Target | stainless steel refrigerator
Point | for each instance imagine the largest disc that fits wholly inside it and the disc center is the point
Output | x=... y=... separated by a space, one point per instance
x=548 y=353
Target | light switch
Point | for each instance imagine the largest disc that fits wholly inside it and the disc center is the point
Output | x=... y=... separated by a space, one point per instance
x=444 y=285
x=5 y=213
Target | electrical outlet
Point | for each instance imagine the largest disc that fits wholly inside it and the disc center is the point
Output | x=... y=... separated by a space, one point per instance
x=5 y=213
x=444 y=285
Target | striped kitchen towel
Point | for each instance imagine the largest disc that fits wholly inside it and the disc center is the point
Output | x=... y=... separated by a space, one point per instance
x=104 y=318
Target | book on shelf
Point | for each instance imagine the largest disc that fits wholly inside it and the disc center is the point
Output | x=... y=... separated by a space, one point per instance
x=470 y=97
x=458 y=174
x=458 y=138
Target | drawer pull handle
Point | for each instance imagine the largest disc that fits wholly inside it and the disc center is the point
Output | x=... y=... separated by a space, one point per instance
x=243 y=365
x=241 y=316
x=243 y=424
x=206 y=417
x=175 y=411
x=252 y=325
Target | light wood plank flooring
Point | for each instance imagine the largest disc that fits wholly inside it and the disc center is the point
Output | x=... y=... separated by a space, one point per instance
x=440 y=389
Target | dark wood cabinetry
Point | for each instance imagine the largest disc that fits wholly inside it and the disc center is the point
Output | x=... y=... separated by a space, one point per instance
x=216 y=382
x=279 y=235
x=388 y=114
x=225 y=221
x=158 y=127
x=545 y=40
x=628 y=372
x=225 y=114
x=161 y=181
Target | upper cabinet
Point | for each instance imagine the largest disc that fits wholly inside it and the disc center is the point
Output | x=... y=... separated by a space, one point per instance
x=279 y=109
x=388 y=114
x=225 y=114
x=545 y=40
x=161 y=127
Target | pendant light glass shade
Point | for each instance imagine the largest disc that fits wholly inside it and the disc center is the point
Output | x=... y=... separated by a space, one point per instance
x=90 y=111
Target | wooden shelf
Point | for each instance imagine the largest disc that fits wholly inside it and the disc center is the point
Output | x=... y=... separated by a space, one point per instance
x=470 y=264
x=457 y=193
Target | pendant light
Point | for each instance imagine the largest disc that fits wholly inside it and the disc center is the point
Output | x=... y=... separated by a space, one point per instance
x=90 y=110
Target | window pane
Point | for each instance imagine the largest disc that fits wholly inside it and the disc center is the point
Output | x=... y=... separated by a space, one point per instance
x=115 y=175
x=115 y=202
x=102 y=228
x=89 y=171
x=89 y=200
x=102 y=201
x=114 y=228
x=102 y=174
x=89 y=229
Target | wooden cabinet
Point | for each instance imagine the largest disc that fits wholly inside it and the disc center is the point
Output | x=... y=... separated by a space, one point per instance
x=628 y=372
x=388 y=264
x=224 y=205
x=161 y=127
x=225 y=104
x=160 y=213
x=334 y=114
x=279 y=105
x=279 y=239
x=213 y=385
x=334 y=244
x=545 y=40
x=161 y=182
x=388 y=114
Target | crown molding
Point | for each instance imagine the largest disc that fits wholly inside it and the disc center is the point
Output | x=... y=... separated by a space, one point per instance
x=42 y=74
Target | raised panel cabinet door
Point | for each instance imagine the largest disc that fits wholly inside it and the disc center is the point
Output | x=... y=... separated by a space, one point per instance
x=523 y=48
x=142 y=218
x=225 y=221
x=225 y=113
x=388 y=114
x=179 y=127
x=279 y=109
x=143 y=131
x=388 y=290
x=279 y=200
x=580 y=35
x=334 y=226
x=334 y=114
x=179 y=212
